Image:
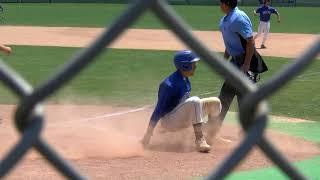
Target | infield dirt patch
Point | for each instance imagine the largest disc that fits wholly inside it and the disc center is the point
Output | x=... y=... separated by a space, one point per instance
x=103 y=142
x=279 y=44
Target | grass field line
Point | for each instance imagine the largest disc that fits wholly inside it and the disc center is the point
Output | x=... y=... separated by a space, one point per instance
x=306 y=77
x=109 y=115
x=117 y=113
x=104 y=116
x=133 y=110
x=143 y=108
x=309 y=74
x=209 y=92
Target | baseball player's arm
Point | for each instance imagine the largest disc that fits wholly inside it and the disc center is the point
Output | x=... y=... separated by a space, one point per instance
x=147 y=136
x=278 y=16
x=277 y=13
x=152 y=124
x=256 y=11
x=163 y=98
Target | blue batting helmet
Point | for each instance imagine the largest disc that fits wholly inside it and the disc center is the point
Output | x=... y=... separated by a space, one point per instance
x=183 y=60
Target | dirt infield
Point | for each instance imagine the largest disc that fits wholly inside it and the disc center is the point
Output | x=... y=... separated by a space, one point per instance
x=102 y=141
x=279 y=44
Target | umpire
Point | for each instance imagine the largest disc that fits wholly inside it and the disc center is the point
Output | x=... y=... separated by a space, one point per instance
x=236 y=29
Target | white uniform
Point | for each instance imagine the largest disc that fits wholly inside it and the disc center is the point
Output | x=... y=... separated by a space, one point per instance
x=264 y=27
x=191 y=111
x=264 y=12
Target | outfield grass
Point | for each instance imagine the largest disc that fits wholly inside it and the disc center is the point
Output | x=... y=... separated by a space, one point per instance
x=294 y=19
x=308 y=130
x=131 y=77
x=309 y=168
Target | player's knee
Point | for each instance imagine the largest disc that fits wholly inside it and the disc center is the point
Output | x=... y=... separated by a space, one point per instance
x=213 y=105
x=194 y=100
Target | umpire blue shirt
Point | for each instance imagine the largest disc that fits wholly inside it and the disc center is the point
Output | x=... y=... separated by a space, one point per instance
x=235 y=23
x=265 y=12
x=173 y=90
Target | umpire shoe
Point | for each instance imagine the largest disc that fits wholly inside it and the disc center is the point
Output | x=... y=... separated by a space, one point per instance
x=202 y=145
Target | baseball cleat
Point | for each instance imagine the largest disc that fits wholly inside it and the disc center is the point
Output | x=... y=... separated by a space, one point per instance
x=202 y=145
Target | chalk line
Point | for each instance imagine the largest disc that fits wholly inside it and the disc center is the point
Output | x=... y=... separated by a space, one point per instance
x=104 y=116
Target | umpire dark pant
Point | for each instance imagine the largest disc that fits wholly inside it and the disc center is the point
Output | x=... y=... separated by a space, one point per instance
x=228 y=91
x=226 y=97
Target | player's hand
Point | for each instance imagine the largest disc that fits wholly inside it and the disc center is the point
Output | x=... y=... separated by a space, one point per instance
x=147 y=136
x=278 y=20
x=245 y=68
x=254 y=12
x=146 y=139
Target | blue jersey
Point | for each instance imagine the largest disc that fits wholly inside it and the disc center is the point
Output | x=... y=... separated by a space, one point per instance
x=173 y=90
x=265 y=12
x=236 y=23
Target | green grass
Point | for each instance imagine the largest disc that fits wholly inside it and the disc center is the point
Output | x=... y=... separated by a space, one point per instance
x=299 y=97
x=310 y=168
x=308 y=130
x=294 y=19
x=131 y=77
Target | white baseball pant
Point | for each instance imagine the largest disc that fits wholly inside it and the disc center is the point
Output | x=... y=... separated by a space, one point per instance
x=191 y=111
x=264 y=27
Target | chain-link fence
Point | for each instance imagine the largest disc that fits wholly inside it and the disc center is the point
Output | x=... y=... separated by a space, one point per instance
x=29 y=116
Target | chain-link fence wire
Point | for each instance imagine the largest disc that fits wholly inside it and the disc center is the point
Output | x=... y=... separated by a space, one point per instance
x=253 y=111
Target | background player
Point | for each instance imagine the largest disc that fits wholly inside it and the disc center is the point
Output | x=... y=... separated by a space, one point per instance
x=265 y=11
x=176 y=109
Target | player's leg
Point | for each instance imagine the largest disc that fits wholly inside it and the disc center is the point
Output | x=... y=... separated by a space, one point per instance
x=185 y=114
x=266 y=32
x=211 y=106
x=259 y=30
x=226 y=96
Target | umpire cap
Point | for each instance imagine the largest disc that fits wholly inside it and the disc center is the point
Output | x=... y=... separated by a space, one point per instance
x=230 y=3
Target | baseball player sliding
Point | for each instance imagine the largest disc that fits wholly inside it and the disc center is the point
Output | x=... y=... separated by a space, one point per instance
x=265 y=11
x=175 y=109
